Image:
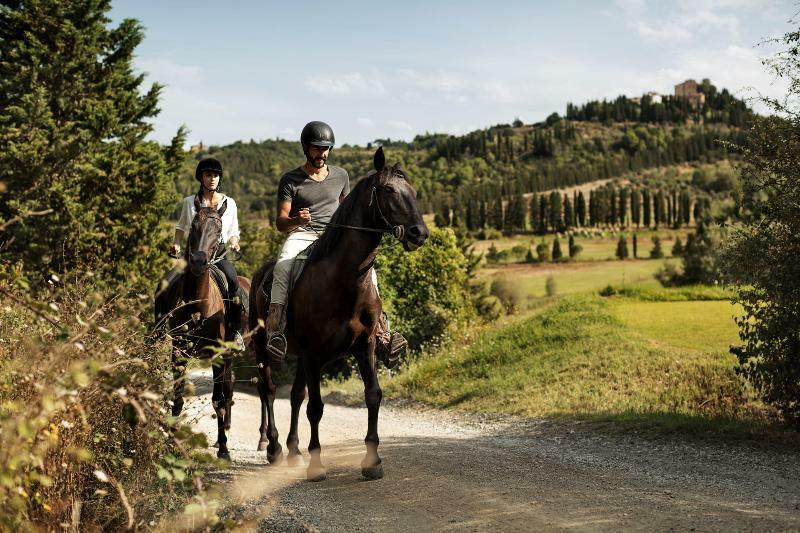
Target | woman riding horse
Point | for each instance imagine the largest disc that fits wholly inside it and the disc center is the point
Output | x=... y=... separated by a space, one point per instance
x=209 y=174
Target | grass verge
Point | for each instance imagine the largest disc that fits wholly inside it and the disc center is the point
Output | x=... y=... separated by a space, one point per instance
x=579 y=359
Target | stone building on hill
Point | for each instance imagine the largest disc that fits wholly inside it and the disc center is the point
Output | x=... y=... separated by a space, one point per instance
x=690 y=90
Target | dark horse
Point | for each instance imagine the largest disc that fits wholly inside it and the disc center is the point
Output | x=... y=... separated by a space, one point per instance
x=193 y=305
x=334 y=309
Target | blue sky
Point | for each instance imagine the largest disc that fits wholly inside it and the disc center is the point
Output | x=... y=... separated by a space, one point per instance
x=262 y=69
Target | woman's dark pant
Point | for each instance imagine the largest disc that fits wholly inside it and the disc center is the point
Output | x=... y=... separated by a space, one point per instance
x=235 y=306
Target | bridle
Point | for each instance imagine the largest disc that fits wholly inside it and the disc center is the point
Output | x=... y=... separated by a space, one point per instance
x=396 y=231
x=214 y=259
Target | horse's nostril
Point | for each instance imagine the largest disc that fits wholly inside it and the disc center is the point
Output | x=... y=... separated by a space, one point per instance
x=418 y=232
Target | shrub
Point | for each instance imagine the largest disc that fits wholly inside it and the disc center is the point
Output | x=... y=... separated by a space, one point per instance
x=425 y=293
x=506 y=292
x=82 y=412
x=550 y=286
x=543 y=252
x=657 y=252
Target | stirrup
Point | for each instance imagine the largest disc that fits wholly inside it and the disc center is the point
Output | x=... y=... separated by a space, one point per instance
x=276 y=347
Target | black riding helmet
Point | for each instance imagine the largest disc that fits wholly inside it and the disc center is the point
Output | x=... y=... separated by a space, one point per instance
x=209 y=163
x=317 y=133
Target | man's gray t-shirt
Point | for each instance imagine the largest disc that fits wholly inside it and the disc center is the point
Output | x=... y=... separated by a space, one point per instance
x=320 y=197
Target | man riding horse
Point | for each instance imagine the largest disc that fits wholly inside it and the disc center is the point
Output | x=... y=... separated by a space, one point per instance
x=307 y=198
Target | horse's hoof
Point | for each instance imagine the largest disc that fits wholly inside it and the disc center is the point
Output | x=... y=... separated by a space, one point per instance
x=224 y=455
x=372 y=472
x=275 y=457
x=216 y=444
x=316 y=474
x=262 y=445
x=177 y=408
x=294 y=459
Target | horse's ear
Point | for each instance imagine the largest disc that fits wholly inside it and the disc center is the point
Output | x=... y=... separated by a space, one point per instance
x=379 y=160
x=197 y=204
x=222 y=209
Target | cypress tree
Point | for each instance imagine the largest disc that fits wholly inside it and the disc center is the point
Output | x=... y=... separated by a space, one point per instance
x=635 y=247
x=657 y=252
x=622 y=247
x=581 y=210
x=556 y=250
x=534 y=214
x=543 y=214
x=568 y=215
x=497 y=214
x=555 y=211
x=677 y=248
x=646 y=207
x=73 y=121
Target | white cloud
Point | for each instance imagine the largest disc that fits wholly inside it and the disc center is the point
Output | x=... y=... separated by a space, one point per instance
x=684 y=22
x=401 y=125
x=346 y=85
x=367 y=123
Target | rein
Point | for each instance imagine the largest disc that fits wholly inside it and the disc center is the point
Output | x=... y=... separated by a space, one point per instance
x=398 y=232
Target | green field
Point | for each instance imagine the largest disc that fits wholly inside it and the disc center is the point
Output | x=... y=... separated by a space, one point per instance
x=703 y=326
x=572 y=278
x=599 y=247
x=592 y=358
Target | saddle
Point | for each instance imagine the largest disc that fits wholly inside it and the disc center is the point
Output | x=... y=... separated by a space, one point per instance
x=297 y=269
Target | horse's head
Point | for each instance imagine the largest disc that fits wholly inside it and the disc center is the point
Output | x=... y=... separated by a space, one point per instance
x=204 y=236
x=396 y=202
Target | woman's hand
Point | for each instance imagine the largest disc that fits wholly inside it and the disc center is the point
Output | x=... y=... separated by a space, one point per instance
x=174 y=250
x=233 y=244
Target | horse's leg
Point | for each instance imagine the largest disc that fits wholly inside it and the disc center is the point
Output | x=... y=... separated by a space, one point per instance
x=297 y=397
x=371 y=467
x=218 y=402
x=178 y=376
x=274 y=449
x=316 y=472
x=263 y=394
x=227 y=389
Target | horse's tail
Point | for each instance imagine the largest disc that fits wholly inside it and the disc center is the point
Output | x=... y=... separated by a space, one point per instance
x=165 y=297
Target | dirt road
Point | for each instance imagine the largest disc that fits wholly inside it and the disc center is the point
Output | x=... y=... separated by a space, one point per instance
x=450 y=472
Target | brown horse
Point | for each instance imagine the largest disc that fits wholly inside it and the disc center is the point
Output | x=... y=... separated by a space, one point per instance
x=334 y=308
x=198 y=325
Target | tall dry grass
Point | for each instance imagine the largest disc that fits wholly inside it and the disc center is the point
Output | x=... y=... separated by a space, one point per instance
x=85 y=437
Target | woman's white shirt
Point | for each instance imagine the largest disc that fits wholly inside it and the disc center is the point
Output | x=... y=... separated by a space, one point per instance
x=230 y=220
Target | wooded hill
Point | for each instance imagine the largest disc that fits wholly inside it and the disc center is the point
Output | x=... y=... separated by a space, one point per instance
x=595 y=141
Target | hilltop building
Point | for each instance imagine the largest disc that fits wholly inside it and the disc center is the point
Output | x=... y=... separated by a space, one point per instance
x=198 y=148
x=690 y=90
x=655 y=98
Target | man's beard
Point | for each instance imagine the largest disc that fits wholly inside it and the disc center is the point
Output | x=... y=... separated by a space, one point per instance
x=318 y=162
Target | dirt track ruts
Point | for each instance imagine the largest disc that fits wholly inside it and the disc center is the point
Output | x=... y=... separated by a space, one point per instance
x=455 y=472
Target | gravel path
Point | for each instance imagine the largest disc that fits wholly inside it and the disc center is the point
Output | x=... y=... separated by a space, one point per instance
x=454 y=472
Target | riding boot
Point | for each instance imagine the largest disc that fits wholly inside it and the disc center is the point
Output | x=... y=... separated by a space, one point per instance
x=235 y=323
x=389 y=346
x=276 y=340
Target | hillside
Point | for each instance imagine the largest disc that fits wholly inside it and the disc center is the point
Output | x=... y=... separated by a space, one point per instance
x=597 y=141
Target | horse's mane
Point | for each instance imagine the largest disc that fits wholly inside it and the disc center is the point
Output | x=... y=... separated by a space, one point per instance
x=327 y=242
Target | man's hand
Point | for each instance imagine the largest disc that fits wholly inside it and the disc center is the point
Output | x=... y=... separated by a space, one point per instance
x=174 y=250
x=304 y=215
x=233 y=244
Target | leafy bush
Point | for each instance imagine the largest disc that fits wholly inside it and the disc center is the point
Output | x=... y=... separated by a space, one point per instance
x=425 y=293
x=505 y=290
x=761 y=255
x=550 y=286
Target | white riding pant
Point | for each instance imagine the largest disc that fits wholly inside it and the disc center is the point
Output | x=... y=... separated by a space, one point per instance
x=295 y=243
